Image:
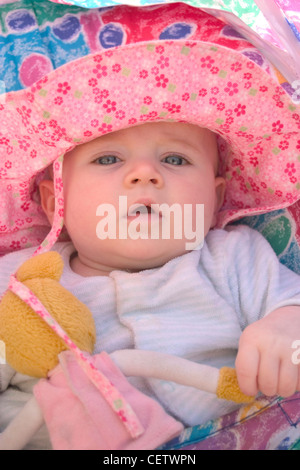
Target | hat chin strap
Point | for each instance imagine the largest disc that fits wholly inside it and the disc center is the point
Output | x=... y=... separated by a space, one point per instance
x=109 y=392
x=58 y=219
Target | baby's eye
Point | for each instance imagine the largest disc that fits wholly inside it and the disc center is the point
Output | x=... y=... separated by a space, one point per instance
x=107 y=160
x=174 y=159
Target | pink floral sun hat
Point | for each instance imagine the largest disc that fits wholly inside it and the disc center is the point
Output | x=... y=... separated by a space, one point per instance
x=210 y=77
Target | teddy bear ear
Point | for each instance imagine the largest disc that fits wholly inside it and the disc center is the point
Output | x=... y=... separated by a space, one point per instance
x=49 y=265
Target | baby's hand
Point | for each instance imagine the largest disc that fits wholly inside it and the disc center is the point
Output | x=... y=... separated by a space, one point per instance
x=264 y=361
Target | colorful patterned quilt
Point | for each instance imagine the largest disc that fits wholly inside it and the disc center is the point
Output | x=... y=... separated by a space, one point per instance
x=268 y=424
x=38 y=36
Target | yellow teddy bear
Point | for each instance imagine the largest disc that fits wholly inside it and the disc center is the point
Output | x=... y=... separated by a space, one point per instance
x=32 y=347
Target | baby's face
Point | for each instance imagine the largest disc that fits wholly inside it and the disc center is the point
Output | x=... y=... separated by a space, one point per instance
x=150 y=164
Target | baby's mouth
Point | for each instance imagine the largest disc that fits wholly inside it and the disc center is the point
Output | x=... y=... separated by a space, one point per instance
x=141 y=210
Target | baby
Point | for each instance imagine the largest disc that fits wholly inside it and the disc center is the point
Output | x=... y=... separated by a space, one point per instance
x=228 y=295
x=222 y=300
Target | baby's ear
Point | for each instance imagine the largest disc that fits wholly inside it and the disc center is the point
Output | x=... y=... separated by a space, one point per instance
x=220 y=192
x=47 y=195
x=48 y=265
x=220 y=188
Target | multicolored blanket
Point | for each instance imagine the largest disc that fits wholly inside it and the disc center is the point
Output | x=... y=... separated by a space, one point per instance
x=268 y=424
x=38 y=36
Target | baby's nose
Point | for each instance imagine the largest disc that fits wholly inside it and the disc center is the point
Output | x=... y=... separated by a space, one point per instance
x=144 y=173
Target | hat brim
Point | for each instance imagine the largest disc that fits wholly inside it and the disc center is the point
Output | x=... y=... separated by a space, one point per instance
x=199 y=81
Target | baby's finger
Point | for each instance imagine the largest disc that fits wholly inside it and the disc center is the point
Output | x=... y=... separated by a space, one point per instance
x=288 y=378
x=268 y=375
x=247 y=364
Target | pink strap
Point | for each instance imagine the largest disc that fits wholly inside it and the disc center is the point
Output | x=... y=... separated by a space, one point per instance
x=58 y=219
x=107 y=389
